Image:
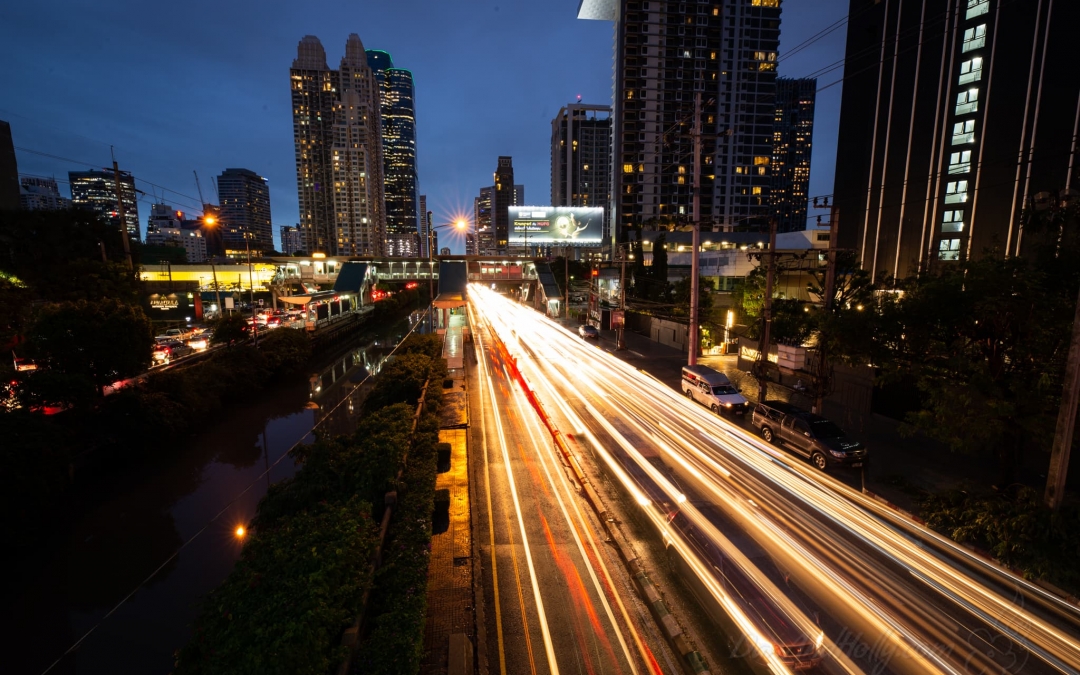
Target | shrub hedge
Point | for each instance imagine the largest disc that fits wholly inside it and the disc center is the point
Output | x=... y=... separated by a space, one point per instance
x=258 y=622
x=1015 y=528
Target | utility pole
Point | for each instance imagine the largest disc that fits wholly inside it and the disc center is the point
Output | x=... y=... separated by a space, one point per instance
x=120 y=212
x=251 y=292
x=1066 y=422
x=830 y=293
x=763 y=348
x=620 y=341
x=566 y=281
x=694 y=339
x=217 y=292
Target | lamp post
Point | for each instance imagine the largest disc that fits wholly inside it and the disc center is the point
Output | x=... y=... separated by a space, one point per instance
x=460 y=225
x=251 y=292
x=210 y=221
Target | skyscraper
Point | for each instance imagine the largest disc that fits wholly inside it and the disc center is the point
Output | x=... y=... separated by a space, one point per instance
x=485 y=236
x=793 y=136
x=9 y=170
x=665 y=54
x=422 y=225
x=954 y=117
x=96 y=190
x=502 y=198
x=581 y=158
x=41 y=194
x=245 y=210
x=339 y=156
x=165 y=227
x=291 y=242
x=398 y=114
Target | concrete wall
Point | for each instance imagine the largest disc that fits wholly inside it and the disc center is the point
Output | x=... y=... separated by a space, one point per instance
x=668 y=333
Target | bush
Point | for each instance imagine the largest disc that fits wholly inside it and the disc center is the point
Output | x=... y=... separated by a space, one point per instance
x=395 y=645
x=401 y=381
x=230 y=329
x=298 y=584
x=1015 y=528
x=286 y=351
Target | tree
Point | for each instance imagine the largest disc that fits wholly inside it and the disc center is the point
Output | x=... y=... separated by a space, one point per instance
x=659 y=271
x=58 y=254
x=230 y=329
x=92 y=343
x=160 y=255
x=985 y=343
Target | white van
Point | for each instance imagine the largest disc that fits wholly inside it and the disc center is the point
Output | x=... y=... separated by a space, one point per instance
x=712 y=388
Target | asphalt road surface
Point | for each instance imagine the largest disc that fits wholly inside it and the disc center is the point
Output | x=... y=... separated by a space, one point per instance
x=811 y=572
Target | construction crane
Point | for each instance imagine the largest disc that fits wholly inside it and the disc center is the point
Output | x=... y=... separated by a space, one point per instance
x=202 y=202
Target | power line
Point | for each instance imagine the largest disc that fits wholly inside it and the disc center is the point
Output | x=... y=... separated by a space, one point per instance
x=220 y=513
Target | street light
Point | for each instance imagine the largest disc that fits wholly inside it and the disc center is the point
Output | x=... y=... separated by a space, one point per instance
x=210 y=221
x=240 y=532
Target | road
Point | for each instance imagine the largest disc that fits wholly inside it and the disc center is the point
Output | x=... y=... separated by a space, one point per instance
x=781 y=549
x=560 y=597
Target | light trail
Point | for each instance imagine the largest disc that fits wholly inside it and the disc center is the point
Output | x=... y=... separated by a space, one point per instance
x=549 y=649
x=804 y=510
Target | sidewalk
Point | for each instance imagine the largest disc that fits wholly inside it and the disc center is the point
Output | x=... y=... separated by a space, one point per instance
x=901 y=469
x=450 y=611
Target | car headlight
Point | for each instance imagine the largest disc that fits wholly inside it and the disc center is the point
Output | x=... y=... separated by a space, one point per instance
x=727 y=405
x=839 y=454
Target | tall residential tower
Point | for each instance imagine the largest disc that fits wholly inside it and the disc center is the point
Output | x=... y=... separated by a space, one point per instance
x=793 y=136
x=955 y=115
x=666 y=53
x=398 y=113
x=245 y=210
x=581 y=158
x=339 y=155
x=96 y=190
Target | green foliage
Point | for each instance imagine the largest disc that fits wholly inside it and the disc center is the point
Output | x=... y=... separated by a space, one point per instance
x=160 y=255
x=230 y=329
x=302 y=573
x=1016 y=529
x=286 y=351
x=985 y=344
x=681 y=295
x=298 y=584
x=364 y=464
x=400 y=381
x=100 y=341
x=58 y=255
x=399 y=605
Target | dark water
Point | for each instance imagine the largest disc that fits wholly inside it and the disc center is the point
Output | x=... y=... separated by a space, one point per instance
x=127 y=521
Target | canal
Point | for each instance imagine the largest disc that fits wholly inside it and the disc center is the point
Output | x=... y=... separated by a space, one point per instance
x=121 y=575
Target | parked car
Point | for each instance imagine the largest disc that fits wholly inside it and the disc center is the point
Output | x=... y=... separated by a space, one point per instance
x=713 y=389
x=588 y=331
x=167 y=351
x=808 y=435
x=176 y=334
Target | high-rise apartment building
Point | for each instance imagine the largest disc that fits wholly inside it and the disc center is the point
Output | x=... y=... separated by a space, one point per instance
x=502 y=198
x=291 y=241
x=96 y=190
x=423 y=224
x=793 y=136
x=666 y=53
x=485 y=236
x=245 y=210
x=41 y=194
x=398 y=112
x=339 y=156
x=9 y=170
x=581 y=158
x=165 y=227
x=955 y=115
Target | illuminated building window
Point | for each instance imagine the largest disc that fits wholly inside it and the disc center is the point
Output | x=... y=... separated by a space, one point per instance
x=967 y=101
x=974 y=38
x=952 y=221
x=977 y=8
x=956 y=192
x=949 y=249
x=971 y=70
x=758 y=161
x=756 y=190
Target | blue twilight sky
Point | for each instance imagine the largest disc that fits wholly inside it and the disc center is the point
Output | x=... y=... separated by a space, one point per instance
x=198 y=85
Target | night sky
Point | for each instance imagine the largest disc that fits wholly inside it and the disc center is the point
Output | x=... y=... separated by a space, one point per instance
x=177 y=87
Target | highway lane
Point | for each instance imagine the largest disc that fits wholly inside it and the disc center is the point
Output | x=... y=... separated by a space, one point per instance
x=559 y=594
x=919 y=602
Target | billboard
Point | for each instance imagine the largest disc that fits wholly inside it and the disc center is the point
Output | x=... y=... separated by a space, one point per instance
x=563 y=225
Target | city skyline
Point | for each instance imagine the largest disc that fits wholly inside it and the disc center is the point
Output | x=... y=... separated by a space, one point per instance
x=461 y=127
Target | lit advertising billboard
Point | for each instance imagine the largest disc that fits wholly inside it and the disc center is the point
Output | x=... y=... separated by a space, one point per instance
x=563 y=225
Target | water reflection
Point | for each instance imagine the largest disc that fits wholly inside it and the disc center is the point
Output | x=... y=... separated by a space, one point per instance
x=126 y=521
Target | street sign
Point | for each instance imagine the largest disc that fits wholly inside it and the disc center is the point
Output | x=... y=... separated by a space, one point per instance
x=618 y=318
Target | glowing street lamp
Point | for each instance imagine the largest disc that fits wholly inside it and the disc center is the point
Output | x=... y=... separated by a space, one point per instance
x=240 y=532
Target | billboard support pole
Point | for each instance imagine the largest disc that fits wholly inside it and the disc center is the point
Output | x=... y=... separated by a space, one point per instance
x=693 y=339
